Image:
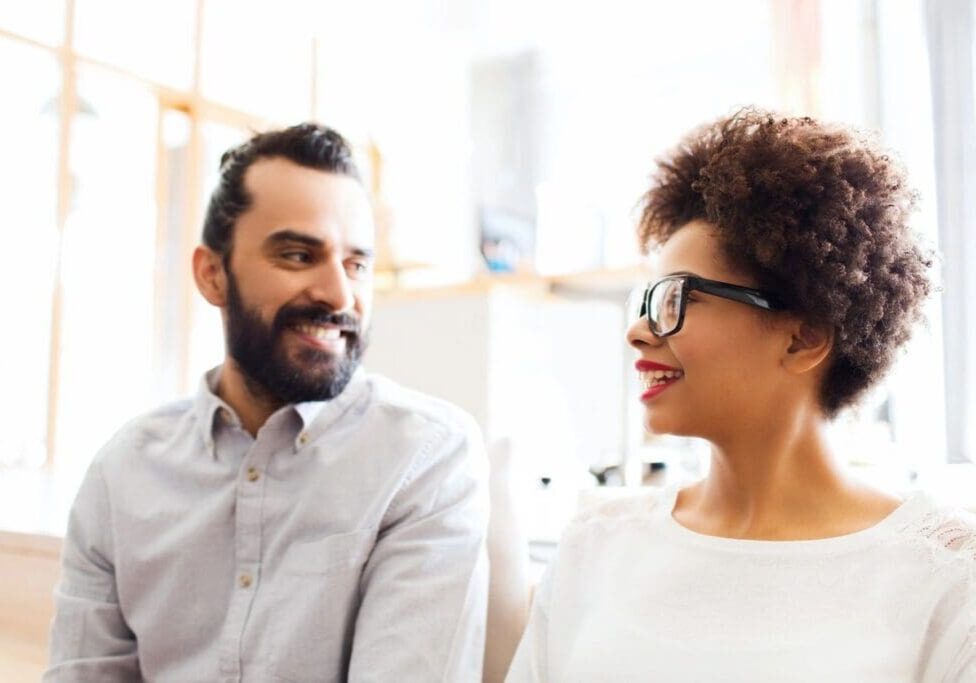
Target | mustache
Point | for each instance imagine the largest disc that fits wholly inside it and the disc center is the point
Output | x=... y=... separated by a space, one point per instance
x=316 y=315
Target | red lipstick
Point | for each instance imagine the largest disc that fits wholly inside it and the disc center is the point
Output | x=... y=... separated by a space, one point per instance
x=659 y=386
x=649 y=365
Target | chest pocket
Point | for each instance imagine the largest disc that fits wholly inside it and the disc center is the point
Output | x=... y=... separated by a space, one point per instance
x=329 y=555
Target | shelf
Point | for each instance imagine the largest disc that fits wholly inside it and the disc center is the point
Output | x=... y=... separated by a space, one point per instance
x=610 y=283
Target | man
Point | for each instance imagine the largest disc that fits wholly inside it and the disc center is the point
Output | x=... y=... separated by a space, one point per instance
x=299 y=520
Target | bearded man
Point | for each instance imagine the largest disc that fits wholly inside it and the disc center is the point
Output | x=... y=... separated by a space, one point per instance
x=299 y=519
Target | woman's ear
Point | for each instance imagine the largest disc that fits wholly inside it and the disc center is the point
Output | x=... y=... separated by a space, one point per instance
x=809 y=347
x=208 y=272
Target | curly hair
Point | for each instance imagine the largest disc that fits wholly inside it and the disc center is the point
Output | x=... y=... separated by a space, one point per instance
x=307 y=144
x=819 y=215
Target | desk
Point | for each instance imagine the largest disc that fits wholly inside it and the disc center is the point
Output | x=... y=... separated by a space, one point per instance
x=29 y=568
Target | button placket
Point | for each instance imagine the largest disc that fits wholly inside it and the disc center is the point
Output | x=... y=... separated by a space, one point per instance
x=247 y=547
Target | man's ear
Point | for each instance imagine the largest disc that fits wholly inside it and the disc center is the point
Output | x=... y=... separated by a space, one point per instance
x=809 y=347
x=208 y=272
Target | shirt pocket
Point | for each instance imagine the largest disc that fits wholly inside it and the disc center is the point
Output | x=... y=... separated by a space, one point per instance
x=329 y=555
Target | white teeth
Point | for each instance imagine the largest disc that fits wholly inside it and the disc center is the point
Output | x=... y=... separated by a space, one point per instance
x=320 y=333
x=652 y=377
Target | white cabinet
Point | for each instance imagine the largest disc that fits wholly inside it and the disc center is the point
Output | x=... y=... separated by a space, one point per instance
x=545 y=371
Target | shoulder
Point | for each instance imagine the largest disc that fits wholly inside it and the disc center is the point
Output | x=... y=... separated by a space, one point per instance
x=628 y=505
x=623 y=511
x=142 y=434
x=946 y=536
x=944 y=539
x=428 y=432
x=410 y=408
x=606 y=538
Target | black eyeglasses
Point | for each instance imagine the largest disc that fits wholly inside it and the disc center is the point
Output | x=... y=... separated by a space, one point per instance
x=664 y=301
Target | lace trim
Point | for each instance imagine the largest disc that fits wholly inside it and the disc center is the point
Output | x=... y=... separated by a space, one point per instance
x=628 y=507
x=950 y=537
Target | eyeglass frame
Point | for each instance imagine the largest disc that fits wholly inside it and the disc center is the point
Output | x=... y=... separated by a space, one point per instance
x=725 y=290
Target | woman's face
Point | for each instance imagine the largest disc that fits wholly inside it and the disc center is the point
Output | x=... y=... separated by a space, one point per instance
x=721 y=372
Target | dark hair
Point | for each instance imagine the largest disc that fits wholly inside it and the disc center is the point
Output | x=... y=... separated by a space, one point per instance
x=819 y=215
x=307 y=144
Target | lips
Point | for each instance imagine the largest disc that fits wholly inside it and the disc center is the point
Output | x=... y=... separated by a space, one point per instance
x=325 y=337
x=656 y=377
x=319 y=332
x=649 y=365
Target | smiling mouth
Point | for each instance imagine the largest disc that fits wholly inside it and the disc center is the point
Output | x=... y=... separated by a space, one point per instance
x=321 y=333
x=653 y=378
x=656 y=381
x=327 y=338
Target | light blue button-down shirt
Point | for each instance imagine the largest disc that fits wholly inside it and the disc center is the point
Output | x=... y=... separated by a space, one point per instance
x=344 y=542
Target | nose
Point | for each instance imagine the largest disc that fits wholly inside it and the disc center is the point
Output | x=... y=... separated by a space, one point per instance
x=331 y=286
x=639 y=335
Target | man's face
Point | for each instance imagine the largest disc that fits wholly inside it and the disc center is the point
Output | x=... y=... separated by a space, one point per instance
x=299 y=281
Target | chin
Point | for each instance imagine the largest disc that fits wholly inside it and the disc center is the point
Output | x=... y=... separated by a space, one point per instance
x=659 y=424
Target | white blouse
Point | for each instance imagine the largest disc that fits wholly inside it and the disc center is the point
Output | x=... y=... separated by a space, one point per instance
x=634 y=596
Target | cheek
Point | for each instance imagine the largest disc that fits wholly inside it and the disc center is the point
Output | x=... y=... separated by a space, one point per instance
x=270 y=290
x=364 y=301
x=723 y=364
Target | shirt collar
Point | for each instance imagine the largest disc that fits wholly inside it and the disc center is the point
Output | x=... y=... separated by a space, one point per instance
x=318 y=416
x=315 y=416
x=207 y=404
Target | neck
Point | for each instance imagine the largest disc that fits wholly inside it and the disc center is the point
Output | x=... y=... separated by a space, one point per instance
x=251 y=402
x=777 y=479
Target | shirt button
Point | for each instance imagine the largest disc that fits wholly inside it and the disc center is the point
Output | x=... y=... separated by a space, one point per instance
x=303 y=438
x=245 y=580
x=253 y=474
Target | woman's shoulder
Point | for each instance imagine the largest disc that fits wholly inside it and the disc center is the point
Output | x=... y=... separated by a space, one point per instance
x=944 y=540
x=949 y=532
x=614 y=509
x=945 y=535
x=609 y=530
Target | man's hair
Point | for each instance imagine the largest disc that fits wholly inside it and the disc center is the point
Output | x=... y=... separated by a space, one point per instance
x=307 y=144
x=819 y=215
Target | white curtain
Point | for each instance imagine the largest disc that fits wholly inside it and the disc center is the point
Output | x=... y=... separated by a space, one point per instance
x=949 y=28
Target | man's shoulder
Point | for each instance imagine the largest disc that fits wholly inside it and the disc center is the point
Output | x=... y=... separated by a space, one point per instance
x=150 y=429
x=400 y=402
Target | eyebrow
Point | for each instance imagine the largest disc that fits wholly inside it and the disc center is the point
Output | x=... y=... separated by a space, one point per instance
x=681 y=272
x=283 y=236
x=287 y=236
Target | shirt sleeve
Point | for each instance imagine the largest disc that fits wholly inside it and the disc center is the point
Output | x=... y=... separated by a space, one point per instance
x=963 y=665
x=530 y=662
x=90 y=640
x=949 y=651
x=424 y=587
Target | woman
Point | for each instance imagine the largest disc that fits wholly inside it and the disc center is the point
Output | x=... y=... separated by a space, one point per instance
x=786 y=280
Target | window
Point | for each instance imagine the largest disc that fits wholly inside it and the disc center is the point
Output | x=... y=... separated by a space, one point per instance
x=29 y=259
x=111 y=138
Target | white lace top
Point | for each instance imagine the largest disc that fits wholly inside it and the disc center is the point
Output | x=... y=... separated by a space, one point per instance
x=634 y=596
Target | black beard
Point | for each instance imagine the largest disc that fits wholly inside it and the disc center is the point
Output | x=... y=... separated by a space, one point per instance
x=258 y=350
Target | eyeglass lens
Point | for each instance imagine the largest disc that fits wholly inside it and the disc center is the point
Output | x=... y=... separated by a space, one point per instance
x=665 y=306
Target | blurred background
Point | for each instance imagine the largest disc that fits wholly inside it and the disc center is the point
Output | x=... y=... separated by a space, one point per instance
x=506 y=145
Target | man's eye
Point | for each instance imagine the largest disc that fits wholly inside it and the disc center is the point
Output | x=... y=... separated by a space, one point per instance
x=357 y=268
x=297 y=256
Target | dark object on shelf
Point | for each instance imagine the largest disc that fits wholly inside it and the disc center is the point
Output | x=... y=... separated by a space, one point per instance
x=613 y=474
